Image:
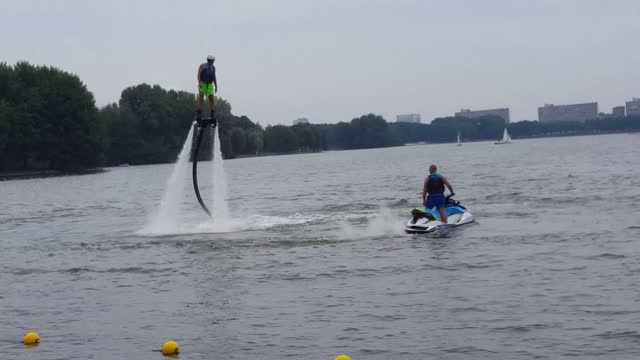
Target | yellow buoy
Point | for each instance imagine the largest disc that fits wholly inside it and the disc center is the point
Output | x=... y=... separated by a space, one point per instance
x=170 y=348
x=32 y=339
x=343 y=357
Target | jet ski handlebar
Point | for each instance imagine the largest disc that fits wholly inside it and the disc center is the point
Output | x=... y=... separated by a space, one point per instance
x=450 y=201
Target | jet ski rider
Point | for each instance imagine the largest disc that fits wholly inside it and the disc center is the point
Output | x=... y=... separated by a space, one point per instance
x=434 y=186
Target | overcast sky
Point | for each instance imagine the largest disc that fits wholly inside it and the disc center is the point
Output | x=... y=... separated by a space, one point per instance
x=332 y=61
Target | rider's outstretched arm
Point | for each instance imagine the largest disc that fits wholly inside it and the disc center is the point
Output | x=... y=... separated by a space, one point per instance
x=446 y=183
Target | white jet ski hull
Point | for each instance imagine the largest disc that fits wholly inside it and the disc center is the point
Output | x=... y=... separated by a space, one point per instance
x=426 y=226
x=425 y=221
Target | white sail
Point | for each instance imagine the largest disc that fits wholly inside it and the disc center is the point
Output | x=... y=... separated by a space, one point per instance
x=459 y=144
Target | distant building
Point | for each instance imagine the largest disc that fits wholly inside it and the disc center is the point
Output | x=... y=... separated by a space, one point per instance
x=466 y=113
x=409 y=118
x=574 y=112
x=617 y=111
x=633 y=107
x=300 y=121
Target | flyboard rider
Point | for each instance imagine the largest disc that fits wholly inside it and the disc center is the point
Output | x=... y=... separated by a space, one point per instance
x=207 y=85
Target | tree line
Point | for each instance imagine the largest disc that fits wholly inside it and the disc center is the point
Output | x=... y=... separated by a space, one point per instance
x=49 y=121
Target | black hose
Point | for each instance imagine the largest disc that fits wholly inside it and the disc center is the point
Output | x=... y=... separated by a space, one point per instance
x=201 y=131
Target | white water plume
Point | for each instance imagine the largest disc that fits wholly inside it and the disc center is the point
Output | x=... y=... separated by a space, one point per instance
x=169 y=219
x=165 y=219
x=220 y=210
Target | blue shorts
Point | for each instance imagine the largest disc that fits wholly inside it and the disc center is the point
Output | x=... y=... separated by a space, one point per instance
x=437 y=201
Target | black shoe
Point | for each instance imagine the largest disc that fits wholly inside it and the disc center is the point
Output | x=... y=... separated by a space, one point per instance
x=198 y=115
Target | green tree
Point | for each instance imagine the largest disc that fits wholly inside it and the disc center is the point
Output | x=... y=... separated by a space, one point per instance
x=5 y=125
x=238 y=139
x=343 y=136
x=72 y=136
x=370 y=131
x=304 y=137
x=254 y=141
x=280 y=139
x=51 y=122
x=148 y=125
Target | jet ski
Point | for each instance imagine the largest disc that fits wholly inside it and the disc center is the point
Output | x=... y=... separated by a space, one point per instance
x=425 y=221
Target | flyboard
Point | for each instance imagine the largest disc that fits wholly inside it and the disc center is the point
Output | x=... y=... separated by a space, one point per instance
x=200 y=128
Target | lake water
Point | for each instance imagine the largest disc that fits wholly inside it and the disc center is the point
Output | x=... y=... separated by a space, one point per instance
x=316 y=264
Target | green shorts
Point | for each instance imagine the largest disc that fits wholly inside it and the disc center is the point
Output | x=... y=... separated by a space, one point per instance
x=207 y=89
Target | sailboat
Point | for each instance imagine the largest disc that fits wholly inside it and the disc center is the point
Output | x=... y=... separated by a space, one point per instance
x=506 y=139
x=459 y=143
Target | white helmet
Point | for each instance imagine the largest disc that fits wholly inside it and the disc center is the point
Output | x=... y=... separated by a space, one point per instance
x=211 y=57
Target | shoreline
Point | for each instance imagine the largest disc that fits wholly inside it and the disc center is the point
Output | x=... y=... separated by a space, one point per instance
x=37 y=174
x=552 y=135
x=32 y=174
